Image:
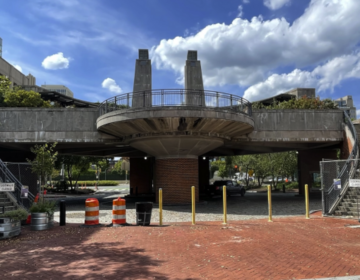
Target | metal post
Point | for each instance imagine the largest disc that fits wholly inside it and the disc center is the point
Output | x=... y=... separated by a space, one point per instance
x=217 y=99
x=322 y=188
x=269 y=201
x=115 y=104
x=307 y=201
x=62 y=213
x=224 y=205
x=128 y=100
x=160 y=207
x=193 y=205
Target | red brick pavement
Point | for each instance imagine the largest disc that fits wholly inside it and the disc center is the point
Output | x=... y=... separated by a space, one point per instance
x=288 y=248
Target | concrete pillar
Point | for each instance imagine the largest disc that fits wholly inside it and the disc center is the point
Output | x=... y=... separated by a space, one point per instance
x=309 y=163
x=176 y=176
x=204 y=173
x=193 y=81
x=142 y=96
x=141 y=175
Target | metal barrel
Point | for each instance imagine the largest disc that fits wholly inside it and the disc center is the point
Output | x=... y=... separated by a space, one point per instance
x=9 y=228
x=41 y=221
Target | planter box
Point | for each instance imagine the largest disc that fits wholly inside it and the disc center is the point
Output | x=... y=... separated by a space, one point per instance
x=9 y=228
x=41 y=221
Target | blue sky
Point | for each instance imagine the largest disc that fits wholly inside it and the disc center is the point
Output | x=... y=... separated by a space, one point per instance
x=252 y=48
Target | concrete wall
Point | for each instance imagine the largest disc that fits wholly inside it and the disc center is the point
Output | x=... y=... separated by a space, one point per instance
x=55 y=124
x=290 y=125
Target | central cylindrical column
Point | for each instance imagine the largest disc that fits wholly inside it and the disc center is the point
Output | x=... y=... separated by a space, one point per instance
x=176 y=176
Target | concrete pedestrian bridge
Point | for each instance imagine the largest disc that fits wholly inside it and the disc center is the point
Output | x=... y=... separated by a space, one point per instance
x=169 y=135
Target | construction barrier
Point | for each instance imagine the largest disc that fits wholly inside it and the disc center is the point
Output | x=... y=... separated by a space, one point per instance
x=91 y=211
x=119 y=212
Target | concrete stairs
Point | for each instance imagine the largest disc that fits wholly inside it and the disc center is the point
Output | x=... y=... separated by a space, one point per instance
x=6 y=202
x=349 y=205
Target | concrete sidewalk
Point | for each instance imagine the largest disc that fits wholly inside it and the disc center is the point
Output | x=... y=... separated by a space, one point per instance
x=288 y=248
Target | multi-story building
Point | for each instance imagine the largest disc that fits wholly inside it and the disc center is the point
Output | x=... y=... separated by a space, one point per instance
x=15 y=76
x=60 y=89
x=346 y=103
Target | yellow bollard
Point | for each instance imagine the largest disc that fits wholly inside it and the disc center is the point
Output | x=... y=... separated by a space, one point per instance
x=307 y=201
x=160 y=207
x=193 y=204
x=270 y=206
x=224 y=205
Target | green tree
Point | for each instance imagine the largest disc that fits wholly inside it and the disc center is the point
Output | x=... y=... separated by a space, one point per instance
x=44 y=162
x=220 y=166
x=247 y=163
x=74 y=166
x=22 y=98
x=261 y=167
x=4 y=89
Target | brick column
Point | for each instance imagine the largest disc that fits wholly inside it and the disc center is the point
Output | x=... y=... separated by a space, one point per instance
x=176 y=176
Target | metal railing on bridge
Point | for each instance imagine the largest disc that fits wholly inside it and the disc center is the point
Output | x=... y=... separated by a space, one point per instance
x=177 y=97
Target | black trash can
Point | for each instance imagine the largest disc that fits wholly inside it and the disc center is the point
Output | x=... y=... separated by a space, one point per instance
x=143 y=213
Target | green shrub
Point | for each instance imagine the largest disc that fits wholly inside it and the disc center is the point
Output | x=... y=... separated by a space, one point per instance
x=100 y=183
x=301 y=103
x=43 y=206
x=16 y=215
x=292 y=185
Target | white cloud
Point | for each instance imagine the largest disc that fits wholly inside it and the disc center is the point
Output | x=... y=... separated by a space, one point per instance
x=240 y=11
x=245 y=52
x=18 y=68
x=246 y=1
x=323 y=77
x=358 y=114
x=56 y=61
x=276 y=4
x=111 y=85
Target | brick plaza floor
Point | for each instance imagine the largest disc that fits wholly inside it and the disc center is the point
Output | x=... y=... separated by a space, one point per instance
x=288 y=248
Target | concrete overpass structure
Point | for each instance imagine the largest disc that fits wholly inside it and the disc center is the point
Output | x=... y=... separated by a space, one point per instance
x=175 y=130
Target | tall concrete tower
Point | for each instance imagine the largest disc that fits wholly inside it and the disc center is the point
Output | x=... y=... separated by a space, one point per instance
x=142 y=81
x=0 y=47
x=193 y=81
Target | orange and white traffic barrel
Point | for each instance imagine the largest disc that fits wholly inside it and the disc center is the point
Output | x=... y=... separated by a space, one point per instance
x=91 y=211
x=119 y=212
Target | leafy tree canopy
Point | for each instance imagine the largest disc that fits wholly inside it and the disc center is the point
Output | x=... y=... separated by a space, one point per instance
x=17 y=97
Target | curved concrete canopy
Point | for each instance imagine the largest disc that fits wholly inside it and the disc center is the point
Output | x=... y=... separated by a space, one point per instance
x=176 y=147
x=206 y=121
